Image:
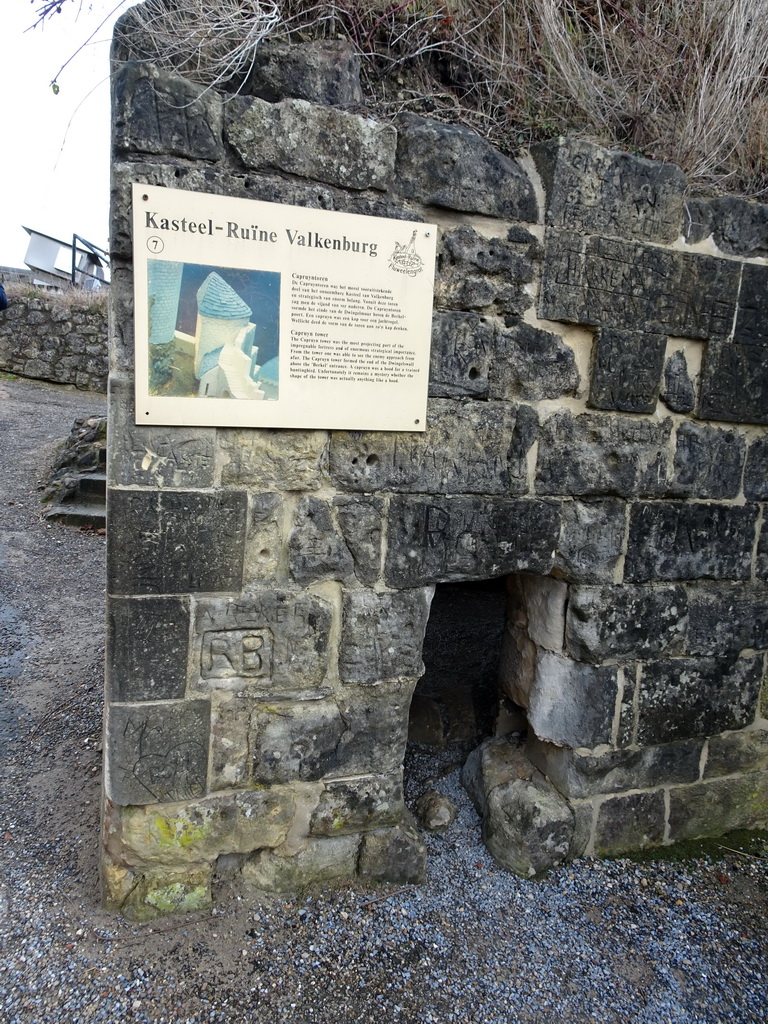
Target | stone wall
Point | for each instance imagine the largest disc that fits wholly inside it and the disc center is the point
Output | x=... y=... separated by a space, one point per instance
x=57 y=338
x=596 y=434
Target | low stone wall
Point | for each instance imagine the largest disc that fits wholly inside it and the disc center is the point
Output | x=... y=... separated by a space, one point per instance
x=596 y=434
x=60 y=338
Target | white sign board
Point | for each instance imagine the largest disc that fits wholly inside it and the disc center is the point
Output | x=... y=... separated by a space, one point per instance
x=252 y=314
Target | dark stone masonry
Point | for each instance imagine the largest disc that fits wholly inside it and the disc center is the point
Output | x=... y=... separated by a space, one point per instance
x=596 y=436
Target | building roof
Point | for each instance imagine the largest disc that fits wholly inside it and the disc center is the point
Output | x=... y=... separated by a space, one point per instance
x=218 y=300
x=209 y=360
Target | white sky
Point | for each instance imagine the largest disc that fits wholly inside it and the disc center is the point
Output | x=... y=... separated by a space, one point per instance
x=54 y=169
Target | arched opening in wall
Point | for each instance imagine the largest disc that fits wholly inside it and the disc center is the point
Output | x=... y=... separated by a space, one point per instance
x=458 y=702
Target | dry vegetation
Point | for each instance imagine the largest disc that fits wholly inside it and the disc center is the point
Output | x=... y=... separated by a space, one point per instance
x=681 y=80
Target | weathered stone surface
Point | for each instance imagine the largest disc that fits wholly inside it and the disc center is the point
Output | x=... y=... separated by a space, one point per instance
x=580 y=775
x=609 y=283
x=756 y=471
x=382 y=635
x=680 y=541
x=738 y=227
x=230 y=751
x=607 y=192
x=144 y=896
x=316 y=551
x=615 y=622
x=156 y=541
x=291 y=460
x=264 y=542
x=735 y=375
x=517 y=664
x=531 y=364
x=360 y=520
x=685 y=697
x=158 y=112
x=447 y=165
x=571 y=704
x=268 y=642
x=630 y=822
x=356 y=805
x=157 y=753
x=435 y=811
x=189 y=833
x=525 y=433
x=496 y=761
x=443 y=539
x=708 y=462
x=727 y=618
x=464 y=450
x=395 y=855
x=596 y=454
x=147 y=648
x=319 y=860
x=157 y=457
x=376 y=721
x=712 y=808
x=425 y=722
x=626 y=371
x=299 y=137
x=761 y=559
x=544 y=601
x=677 y=391
x=590 y=540
x=462 y=345
x=323 y=71
x=474 y=272
x=295 y=741
x=732 y=752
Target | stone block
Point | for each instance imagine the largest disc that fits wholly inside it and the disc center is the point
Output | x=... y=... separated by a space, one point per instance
x=607 y=192
x=590 y=540
x=737 y=226
x=616 y=622
x=325 y=71
x=756 y=471
x=735 y=374
x=176 y=834
x=295 y=741
x=738 y=752
x=580 y=775
x=264 y=541
x=170 y=542
x=761 y=559
x=626 y=370
x=497 y=761
x=360 y=520
x=708 y=462
x=630 y=822
x=156 y=894
x=678 y=392
x=156 y=457
x=269 y=642
x=719 y=806
x=157 y=753
x=517 y=663
x=445 y=539
x=605 y=282
x=316 y=550
x=147 y=648
x=571 y=704
x=382 y=635
x=397 y=855
x=531 y=365
x=301 y=138
x=544 y=600
x=318 y=861
x=358 y=805
x=727 y=618
x=448 y=165
x=687 y=697
x=230 y=751
x=158 y=112
x=689 y=541
x=464 y=450
x=376 y=728
x=462 y=345
x=474 y=272
x=594 y=454
x=290 y=460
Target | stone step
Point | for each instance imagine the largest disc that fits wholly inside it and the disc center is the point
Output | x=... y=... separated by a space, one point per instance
x=74 y=513
x=92 y=487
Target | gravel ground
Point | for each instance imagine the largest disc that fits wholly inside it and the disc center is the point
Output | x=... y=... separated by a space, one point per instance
x=594 y=941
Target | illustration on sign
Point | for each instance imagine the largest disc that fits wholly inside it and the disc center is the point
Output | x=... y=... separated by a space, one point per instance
x=259 y=314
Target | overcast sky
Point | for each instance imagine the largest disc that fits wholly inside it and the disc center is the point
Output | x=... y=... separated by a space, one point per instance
x=54 y=171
